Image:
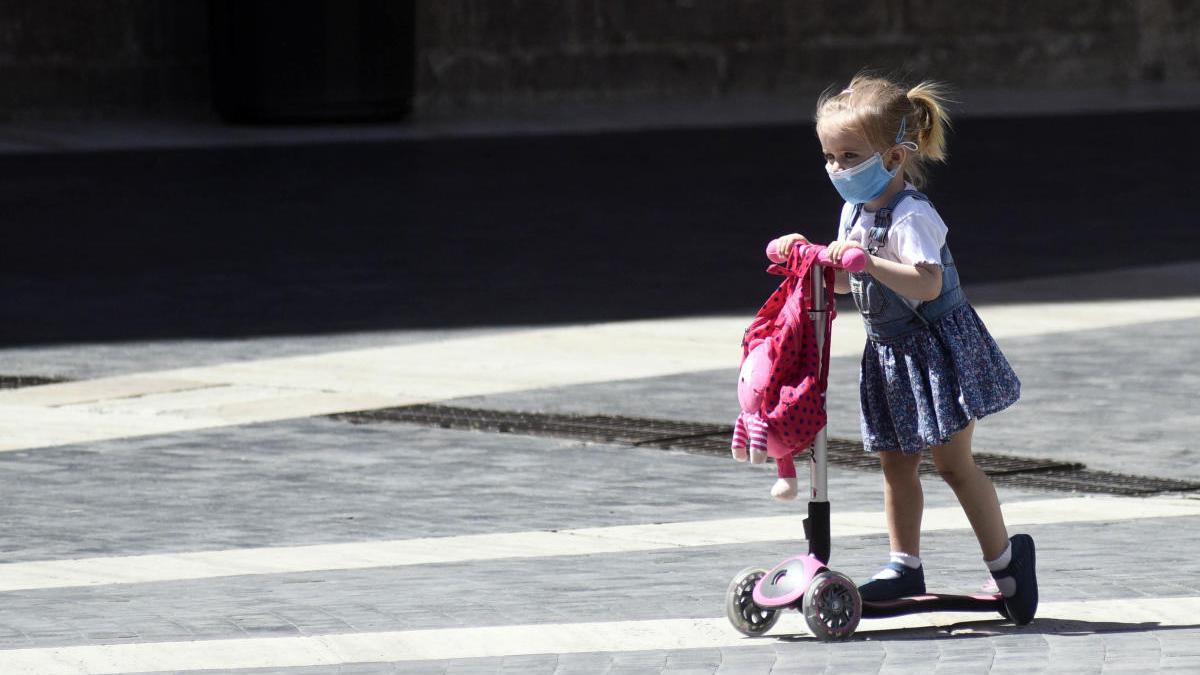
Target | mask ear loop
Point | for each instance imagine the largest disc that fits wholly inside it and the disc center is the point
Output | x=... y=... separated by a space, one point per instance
x=900 y=141
x=900 y=136
x=908 y=145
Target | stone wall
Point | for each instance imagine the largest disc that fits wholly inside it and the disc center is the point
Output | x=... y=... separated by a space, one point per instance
x=64 y=58
x=480 y=53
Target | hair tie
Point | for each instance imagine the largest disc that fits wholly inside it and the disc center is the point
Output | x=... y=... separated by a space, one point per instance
x=903 y=127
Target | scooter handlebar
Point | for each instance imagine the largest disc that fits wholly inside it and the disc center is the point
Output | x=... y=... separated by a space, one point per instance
x=853 y=259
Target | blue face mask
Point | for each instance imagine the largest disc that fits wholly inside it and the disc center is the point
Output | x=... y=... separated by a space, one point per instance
x=862 y=183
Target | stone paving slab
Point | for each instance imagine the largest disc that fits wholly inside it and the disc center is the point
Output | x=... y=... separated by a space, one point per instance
x=637 y=586
x=324 y=481
x=272 y=482
x=321 y=481
x=906 y=652
x=1098 y=397
x=1094 y=406
x=108 y=359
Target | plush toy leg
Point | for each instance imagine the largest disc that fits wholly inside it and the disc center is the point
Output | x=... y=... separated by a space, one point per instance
x=758 y=438
x=787 y=487
x=741 y=440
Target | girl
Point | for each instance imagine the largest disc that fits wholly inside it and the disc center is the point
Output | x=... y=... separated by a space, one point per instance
x=930 y=368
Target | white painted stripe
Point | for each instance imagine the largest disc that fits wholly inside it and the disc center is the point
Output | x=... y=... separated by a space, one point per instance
x=285 y=388
x=1027 y=319
x=543 y=544
x=77 y=412
x=29 y=426
x=103 y=389
x=498 y=641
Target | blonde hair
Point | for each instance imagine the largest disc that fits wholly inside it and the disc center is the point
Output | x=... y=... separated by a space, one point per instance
x=875 y=107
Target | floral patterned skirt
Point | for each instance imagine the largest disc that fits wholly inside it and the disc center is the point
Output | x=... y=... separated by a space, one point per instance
x=920 y=389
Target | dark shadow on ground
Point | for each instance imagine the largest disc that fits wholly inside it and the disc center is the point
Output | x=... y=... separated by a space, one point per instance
x=992 y=628
x=504 y=231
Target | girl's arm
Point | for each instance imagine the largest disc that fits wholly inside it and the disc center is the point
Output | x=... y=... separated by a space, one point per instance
x=841 y=281
x=919 y=282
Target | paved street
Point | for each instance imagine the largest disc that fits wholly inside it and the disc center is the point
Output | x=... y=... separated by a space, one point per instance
x=185 y=498
x=266 y=538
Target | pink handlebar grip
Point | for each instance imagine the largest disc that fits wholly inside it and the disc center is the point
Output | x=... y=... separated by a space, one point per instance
x=853 y=259
x=773 y=252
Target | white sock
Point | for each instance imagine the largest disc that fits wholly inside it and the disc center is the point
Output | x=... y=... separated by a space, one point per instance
x=909 y=561
x=1007 y=585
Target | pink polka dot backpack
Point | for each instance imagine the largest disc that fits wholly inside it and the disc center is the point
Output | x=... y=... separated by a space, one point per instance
x=781 y=386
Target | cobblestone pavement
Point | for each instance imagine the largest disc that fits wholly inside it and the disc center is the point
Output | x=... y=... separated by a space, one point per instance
x=1118 y=583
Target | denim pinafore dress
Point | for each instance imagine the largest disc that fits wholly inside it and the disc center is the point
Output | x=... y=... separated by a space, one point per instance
x=926 y=371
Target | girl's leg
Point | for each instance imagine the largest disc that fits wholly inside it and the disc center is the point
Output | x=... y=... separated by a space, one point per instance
x=903 y=501
x=1011 y=564
x=974 y=490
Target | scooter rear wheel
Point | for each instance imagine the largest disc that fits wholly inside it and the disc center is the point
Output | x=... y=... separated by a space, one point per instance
x=746 y=616
x=832 y=606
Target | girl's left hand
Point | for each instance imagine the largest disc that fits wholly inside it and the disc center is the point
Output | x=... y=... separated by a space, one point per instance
x=837 y=248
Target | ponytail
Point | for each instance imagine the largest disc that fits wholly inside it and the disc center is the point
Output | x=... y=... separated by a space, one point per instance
x=932 y=120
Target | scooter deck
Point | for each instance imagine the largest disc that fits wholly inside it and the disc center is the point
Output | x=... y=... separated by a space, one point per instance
x=933 y=602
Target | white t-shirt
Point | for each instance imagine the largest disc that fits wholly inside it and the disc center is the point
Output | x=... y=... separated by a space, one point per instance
x=916 y=236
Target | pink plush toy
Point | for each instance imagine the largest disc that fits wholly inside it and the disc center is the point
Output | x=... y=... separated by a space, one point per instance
x=752 y=437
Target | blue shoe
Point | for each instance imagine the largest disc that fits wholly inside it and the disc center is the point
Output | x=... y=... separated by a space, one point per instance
x=910 y=582
x=1023 y=604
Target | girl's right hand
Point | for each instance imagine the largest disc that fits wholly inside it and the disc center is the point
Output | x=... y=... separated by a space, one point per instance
x=784 y=244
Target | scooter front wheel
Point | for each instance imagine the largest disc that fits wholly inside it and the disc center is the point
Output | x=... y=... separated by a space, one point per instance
x=832 y=606
x=746 y=616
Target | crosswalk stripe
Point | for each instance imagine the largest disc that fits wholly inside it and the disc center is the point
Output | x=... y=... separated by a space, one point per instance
x=539 y=544
x=498 y=641
x=300 y=386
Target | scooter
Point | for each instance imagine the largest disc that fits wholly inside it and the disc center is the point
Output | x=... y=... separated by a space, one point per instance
x=829 y=600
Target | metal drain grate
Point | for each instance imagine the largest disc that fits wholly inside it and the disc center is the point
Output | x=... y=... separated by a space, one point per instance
x=1098 y=482
x=601 y=428
x=19 y=381
x=713 y=439
x=1003 y=465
